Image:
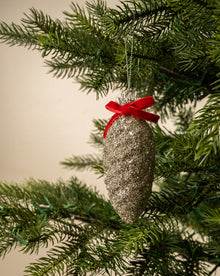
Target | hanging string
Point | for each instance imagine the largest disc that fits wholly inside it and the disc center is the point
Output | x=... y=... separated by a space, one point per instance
x=129 y=66
x=123 y=98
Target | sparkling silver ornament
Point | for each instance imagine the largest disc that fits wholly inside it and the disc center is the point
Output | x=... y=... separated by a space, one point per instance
x=129 y=160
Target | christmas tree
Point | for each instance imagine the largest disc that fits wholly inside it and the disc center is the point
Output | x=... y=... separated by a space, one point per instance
x=175 y=50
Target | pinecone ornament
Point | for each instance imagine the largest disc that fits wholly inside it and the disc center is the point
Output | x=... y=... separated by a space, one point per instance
x=129 y=160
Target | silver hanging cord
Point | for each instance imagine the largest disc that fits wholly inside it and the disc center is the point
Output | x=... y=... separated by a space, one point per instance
x=129 y=66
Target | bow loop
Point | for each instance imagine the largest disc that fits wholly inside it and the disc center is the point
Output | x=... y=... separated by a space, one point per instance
x=134 y=109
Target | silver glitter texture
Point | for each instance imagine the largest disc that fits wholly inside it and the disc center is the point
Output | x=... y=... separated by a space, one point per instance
x=129 y=160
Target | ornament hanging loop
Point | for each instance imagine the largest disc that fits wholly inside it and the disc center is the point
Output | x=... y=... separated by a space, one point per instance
x=129 y=66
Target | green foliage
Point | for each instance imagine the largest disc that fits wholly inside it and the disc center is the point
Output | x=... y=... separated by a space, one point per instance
x=151 y=18
x=212 y=221
x=84 y=162
x=41 y=214
x=175 y=59
x=174 y=46
x=172 y=254
x=207 y=124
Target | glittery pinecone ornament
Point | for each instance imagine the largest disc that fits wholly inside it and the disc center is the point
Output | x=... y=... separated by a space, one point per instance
x=129 y=157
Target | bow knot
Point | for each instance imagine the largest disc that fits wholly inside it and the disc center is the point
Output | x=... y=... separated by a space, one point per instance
x=125 y=109
x=134 y=109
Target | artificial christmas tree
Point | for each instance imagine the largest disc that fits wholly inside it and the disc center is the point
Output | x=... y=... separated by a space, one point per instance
x=176 y=60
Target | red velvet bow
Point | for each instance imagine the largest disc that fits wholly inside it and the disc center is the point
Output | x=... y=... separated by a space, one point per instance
x=134 y=109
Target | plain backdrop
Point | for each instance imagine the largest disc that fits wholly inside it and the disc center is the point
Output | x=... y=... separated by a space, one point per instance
x=43 y=120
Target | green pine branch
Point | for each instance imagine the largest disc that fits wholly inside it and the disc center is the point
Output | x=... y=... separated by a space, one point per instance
x=207 y=123
x=82 y=47
x=96 y=137
x=160 y=259
x=152 y=17
x=88 y=20
x=67 y=256
x=89 y=162
x=16 y=35
x=58 y=207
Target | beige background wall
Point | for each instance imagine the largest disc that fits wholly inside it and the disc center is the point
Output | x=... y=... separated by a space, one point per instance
x=43 y=120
